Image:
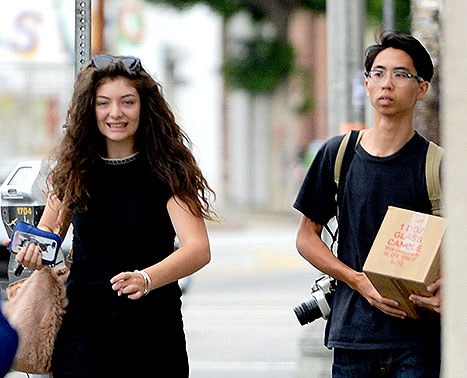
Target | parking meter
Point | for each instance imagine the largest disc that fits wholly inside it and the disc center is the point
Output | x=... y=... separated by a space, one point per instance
x=23 y=199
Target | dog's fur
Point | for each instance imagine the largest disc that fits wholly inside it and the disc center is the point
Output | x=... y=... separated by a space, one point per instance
x=35 y=306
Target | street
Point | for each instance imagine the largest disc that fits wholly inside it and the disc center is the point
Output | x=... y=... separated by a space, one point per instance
x=238 y=311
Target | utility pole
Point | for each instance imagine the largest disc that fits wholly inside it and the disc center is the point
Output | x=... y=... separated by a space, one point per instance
x=346 y=92
x=388 y=15
x=97 y=22
x=82 y=33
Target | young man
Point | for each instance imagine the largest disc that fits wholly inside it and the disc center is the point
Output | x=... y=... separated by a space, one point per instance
x=370 y=334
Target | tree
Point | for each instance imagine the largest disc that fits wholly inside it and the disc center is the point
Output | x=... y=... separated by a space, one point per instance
x=276 y=11
x=255 y=53
x=426 y=27
x=402 y=23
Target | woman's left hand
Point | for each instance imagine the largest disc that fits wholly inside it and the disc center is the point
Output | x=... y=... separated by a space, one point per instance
x=131 y=284
x=434 y=302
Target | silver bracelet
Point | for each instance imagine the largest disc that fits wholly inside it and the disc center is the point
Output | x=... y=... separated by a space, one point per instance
x=147 y=281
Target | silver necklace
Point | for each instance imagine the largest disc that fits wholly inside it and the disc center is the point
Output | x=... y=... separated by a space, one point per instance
x=120 y=161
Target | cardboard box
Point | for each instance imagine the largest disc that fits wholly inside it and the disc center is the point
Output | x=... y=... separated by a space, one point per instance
x=405 y=256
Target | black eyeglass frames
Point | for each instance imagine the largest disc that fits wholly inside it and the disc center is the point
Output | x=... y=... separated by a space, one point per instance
x=131 y=63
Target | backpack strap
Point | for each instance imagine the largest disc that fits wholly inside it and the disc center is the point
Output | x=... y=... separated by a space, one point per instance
x=344 y=154
x=344 y=157
x=340 y=157
x=432 y=173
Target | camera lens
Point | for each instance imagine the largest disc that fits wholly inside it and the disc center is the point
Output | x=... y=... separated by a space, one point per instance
x=307 y=311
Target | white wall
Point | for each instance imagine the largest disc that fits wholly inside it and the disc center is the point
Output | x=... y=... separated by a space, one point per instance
x=36 y=74
x=454 y=137
x=37 y=56
x=191 y=42
x=36 y=31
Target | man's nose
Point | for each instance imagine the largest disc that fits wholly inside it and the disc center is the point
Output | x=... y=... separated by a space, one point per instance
x=387 y=80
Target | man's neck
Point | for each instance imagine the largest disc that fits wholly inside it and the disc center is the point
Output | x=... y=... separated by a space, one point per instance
x=387 y=136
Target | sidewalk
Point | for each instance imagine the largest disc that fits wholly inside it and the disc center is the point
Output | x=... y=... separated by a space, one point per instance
x=17 y=374
x=241 y=218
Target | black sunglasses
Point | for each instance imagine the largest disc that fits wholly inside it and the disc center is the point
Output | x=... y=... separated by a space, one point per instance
x=131 y=63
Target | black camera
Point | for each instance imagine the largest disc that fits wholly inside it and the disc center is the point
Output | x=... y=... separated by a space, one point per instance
x=319 y=305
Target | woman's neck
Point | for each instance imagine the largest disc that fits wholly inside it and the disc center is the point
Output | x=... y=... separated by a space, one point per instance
x=119 y=151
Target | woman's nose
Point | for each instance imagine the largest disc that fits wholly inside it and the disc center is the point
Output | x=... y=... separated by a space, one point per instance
x=115 y=111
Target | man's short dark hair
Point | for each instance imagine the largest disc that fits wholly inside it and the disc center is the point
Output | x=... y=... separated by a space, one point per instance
x=407 y=43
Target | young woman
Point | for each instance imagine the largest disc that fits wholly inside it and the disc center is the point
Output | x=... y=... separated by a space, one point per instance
x=127 y=181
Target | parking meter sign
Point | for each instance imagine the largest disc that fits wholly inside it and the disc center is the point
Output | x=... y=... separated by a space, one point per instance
x=23 y=200
x=11 y=215
x=24 y=211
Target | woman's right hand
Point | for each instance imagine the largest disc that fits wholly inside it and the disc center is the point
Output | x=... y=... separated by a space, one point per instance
x=30 y=257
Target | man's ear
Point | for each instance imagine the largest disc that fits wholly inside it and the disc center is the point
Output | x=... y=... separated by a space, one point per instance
x=423 y=88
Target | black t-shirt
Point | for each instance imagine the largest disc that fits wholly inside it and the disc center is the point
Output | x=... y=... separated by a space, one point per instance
x=372 y=184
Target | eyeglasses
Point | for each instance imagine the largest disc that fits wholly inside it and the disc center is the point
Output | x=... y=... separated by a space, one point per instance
x=399 y=78
x=131 y=63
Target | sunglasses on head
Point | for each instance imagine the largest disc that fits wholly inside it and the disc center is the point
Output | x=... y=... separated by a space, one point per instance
x=131 y=63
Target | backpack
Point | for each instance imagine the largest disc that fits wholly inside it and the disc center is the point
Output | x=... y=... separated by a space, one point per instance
x=345 y=155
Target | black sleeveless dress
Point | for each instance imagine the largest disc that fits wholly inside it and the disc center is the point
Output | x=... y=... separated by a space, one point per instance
x=126 y=227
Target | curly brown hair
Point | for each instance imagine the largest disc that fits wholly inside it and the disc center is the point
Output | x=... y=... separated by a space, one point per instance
x=159 y=139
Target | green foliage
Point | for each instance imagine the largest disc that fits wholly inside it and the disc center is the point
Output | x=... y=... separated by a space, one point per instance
x=306 y=106
x=304 y=79
x=401 y=14
x=314 y=5
x=260 y=64
x=227 y=8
